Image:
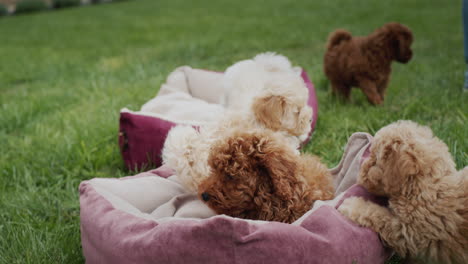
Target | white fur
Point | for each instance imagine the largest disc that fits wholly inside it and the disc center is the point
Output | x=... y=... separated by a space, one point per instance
x=246 y=79
x=273 y=62
x=186 y=151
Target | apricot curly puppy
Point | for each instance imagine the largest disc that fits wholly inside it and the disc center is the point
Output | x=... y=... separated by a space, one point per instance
x=427 y=215
x=258 y=176
x=365 y=62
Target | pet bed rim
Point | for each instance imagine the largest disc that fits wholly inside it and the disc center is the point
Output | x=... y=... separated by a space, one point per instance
x=151 y=114
x=85 y=185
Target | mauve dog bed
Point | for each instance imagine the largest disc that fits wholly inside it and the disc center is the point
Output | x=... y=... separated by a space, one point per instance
x=151 y=218
x=189 y=96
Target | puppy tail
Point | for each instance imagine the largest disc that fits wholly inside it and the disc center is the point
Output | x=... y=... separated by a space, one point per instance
x=337 y=37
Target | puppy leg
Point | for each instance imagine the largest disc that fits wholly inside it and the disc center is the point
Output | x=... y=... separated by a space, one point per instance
x=379 y=219
x=369 y=88
x=382 y=87
x=340 y=89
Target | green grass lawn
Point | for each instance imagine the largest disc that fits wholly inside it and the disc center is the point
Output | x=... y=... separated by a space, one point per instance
x=65 y=74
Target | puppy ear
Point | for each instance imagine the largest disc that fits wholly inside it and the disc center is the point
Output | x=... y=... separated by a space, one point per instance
x=403 y=157
x=269 y=110
x=402 y=39
x=281 y=166
x=370 y=175
x=402 y=165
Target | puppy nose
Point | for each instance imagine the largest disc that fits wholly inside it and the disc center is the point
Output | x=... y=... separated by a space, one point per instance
x=205 y=196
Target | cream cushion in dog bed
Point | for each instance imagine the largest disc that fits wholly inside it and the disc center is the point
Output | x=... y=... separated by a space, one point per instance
x=151 y=218
x=189 y=96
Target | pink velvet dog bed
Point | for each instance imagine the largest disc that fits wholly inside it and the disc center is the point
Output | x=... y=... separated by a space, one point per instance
x=189 y=96
x=151 y=218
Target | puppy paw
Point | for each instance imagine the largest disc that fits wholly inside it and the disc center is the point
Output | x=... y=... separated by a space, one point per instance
x=377 y=100
x=366 y=214
x=351 y=207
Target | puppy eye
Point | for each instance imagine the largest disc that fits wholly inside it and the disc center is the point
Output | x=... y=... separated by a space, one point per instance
x=229 y=177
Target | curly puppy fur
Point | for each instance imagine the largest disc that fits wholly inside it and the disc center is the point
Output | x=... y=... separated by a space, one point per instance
x=427 y=215
x=280 y=106
x=255 y=175
x=365 y=62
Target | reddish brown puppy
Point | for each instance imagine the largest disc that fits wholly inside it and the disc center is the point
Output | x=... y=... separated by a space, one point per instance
x=365 y=62
x=256 y=175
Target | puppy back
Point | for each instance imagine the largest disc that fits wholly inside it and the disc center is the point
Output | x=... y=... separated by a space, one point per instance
x=337 y=37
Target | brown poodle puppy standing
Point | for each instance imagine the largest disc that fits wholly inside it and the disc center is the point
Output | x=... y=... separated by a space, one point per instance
x=256 y=175
x=365 y=62
x=427 y=214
